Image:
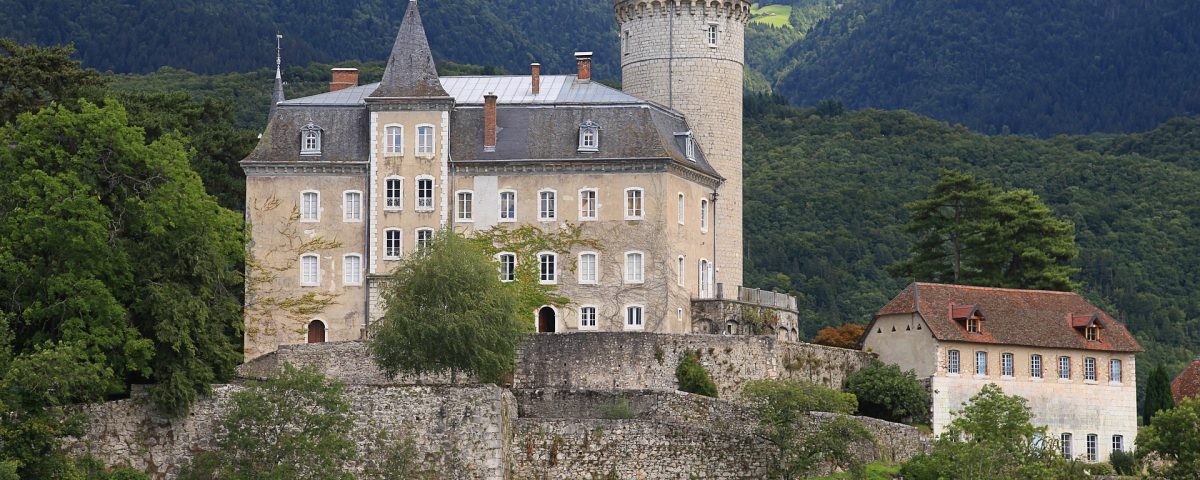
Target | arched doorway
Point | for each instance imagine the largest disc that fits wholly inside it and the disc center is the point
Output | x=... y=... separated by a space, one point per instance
x=545 y=319
x=316 y=332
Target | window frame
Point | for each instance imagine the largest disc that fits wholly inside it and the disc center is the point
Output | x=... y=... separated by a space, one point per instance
x=430 y=207
x=346 y=279
x=1118 y=443
x=981 y=354
x=316 y=213
x=681 y=206
x=1008 y=365
x=1036 y=366
x=712 y=34
x=513 y=209
x=589 y=137
x=390 y=203
x=346 y=211
x=641 y=317
x=1092 y=333
x=421 y=149
x=1066 y=446
x=593 y=201
x=314 y=133
x=545 y=278
x=635 y=212
x=390 y=146
x=544 y=214
x=953 y=362
x=704 y=279
x=387 y=244
x=584 y=320
x=316 y=273
x=640 y=277
x=681 y=271
x=462 y=207
x=420 y=244
x=1116 y=371
x=1064 y=367
x=1093 y=447
x=704 y=215
x=689 y=146
x=1089 y=369
x=595 y=278
x=508 y=273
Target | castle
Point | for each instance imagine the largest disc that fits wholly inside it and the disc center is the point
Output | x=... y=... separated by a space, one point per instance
x=343 y=184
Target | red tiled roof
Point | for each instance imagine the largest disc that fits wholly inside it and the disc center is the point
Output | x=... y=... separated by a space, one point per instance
x=1033 y=318
x=1187 y=384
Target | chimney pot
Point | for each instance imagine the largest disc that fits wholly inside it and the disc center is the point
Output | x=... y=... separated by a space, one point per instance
x=584 y=61
x=536 y=77
x=343 y=78
x=489 y=122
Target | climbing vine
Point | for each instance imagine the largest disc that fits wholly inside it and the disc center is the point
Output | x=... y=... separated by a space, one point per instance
x=526 y=241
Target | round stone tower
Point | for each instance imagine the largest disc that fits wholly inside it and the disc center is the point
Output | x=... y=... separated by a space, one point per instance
x=689 y=55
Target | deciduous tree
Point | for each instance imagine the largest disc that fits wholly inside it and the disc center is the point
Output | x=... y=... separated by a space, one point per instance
x=845 y=336
x=1174 y=434
x=884 y=391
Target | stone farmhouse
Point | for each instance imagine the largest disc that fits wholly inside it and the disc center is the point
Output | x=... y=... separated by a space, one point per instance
x=1187 y=384
x=343 y=184
x=1070 y=360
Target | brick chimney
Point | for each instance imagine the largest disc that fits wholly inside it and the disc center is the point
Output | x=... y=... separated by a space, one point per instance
x=489 y=122
x=343 y=78
x=584 y=60
x=536 y=77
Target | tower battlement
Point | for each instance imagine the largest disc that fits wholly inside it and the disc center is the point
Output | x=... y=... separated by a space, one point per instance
x=627 y=10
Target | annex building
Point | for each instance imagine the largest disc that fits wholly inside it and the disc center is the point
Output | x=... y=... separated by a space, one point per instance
x=1072 y=362
x=343 y=184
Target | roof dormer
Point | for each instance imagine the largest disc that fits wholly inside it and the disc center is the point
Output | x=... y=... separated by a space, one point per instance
x=970 y=317
x=1087 y=325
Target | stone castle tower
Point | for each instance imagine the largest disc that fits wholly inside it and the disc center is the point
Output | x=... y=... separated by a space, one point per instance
x=689 y=56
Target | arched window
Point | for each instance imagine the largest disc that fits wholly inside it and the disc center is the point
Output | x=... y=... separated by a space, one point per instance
x=589 y=137
x=508 y=266
x=393 y=193
x=425 y=140
x=424 y=193
x=981 y=363
x=705 y=279
x=547 y=268
x=393 y=140
x=352 y=206
x=1035 y=366
x=703 y=215
x=1065 y=443
x=1089 y=369
x=689 y=146
x=310 y=140
x=310 y=206
x=1006 y=365
x=392 y=246
x=635 y=267
x=352 y=267
x=1064 y=367
x=316 y=331
x=680 y=271
x=680 y=214
x=587 y=268
x=310 y=270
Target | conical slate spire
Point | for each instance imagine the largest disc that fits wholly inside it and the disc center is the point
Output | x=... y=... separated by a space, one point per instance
x=277 y=94
x=410 y=70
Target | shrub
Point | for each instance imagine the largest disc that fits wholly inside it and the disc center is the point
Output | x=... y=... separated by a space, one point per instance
x=619 y=409
x=1173 y=436
x=1124 y=463
x=795 y=397
x=886 y=392
x=845 y=336
x=692 y=376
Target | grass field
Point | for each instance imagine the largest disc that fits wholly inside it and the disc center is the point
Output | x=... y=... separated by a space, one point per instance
x=773 y=15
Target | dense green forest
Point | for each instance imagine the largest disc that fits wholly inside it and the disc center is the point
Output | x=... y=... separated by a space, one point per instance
x=1042 y=68
x=824 y=216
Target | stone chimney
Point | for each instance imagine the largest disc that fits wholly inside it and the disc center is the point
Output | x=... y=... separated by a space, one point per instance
x=343 y=78
x=584 y=60
x=536 y=78
x=489 y=122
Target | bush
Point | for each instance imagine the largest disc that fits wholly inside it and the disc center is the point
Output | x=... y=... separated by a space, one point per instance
x=886 y=392
x=617 y=410
x=692 y=376
x=795 y=397
x=1124 y=463
x=845 y=336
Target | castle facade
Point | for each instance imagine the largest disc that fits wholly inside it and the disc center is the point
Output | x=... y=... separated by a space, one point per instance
x=343 y=184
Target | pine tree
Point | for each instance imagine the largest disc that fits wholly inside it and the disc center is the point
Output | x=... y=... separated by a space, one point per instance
x=1158 y=394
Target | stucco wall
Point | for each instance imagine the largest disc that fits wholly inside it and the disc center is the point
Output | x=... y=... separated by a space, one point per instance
x=903 y=340
x=465 y=429
x=637 y=361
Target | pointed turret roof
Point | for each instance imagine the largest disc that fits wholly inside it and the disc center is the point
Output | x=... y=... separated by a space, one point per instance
x=277 y=94
x=410 y=69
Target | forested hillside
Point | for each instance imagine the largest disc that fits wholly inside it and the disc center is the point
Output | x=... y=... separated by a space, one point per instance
x=207 y=36
x=824 y=215
x=1043 y=68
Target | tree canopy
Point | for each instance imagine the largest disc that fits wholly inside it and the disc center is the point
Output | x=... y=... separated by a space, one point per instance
x=448 y=311
x=1158 y=394
x=1174 y=435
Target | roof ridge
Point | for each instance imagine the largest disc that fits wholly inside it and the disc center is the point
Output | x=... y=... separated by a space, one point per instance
x=999 y=289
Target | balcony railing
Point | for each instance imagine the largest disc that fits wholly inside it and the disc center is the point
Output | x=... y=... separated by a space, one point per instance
x=755 y=296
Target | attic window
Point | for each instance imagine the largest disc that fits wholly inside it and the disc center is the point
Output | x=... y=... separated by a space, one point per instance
x=589 y=137
x=1088 y=325
x=970 y=315
x=1093 y=334
x=689 y=147
x=310 y=140
x=973 y=324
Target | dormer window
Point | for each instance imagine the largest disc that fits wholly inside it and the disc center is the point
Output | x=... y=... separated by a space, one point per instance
x=1088 y=325
x=973 y=324
x=969 y=316
x=310 y=140
x=589 y=137
x=1092 y=334
x=689 y=147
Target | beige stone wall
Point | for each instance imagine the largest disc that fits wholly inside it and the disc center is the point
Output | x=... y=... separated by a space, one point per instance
x=904 y=340
x=665 y=58
x=658 y=236
x=1075 y=406
x=278 y=239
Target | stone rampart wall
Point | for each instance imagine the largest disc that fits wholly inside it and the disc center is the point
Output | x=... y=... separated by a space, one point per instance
x=347 y=362
x=465 y=430
x=641 y=361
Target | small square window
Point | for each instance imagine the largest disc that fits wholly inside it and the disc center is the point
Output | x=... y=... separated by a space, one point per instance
x=712 y=34
x=633 y=317
x=587 y=317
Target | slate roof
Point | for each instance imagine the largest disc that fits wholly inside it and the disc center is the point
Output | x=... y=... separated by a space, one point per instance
x=1033 y=318
x=410 y=70
x=1187 y=384
x=509 y=90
